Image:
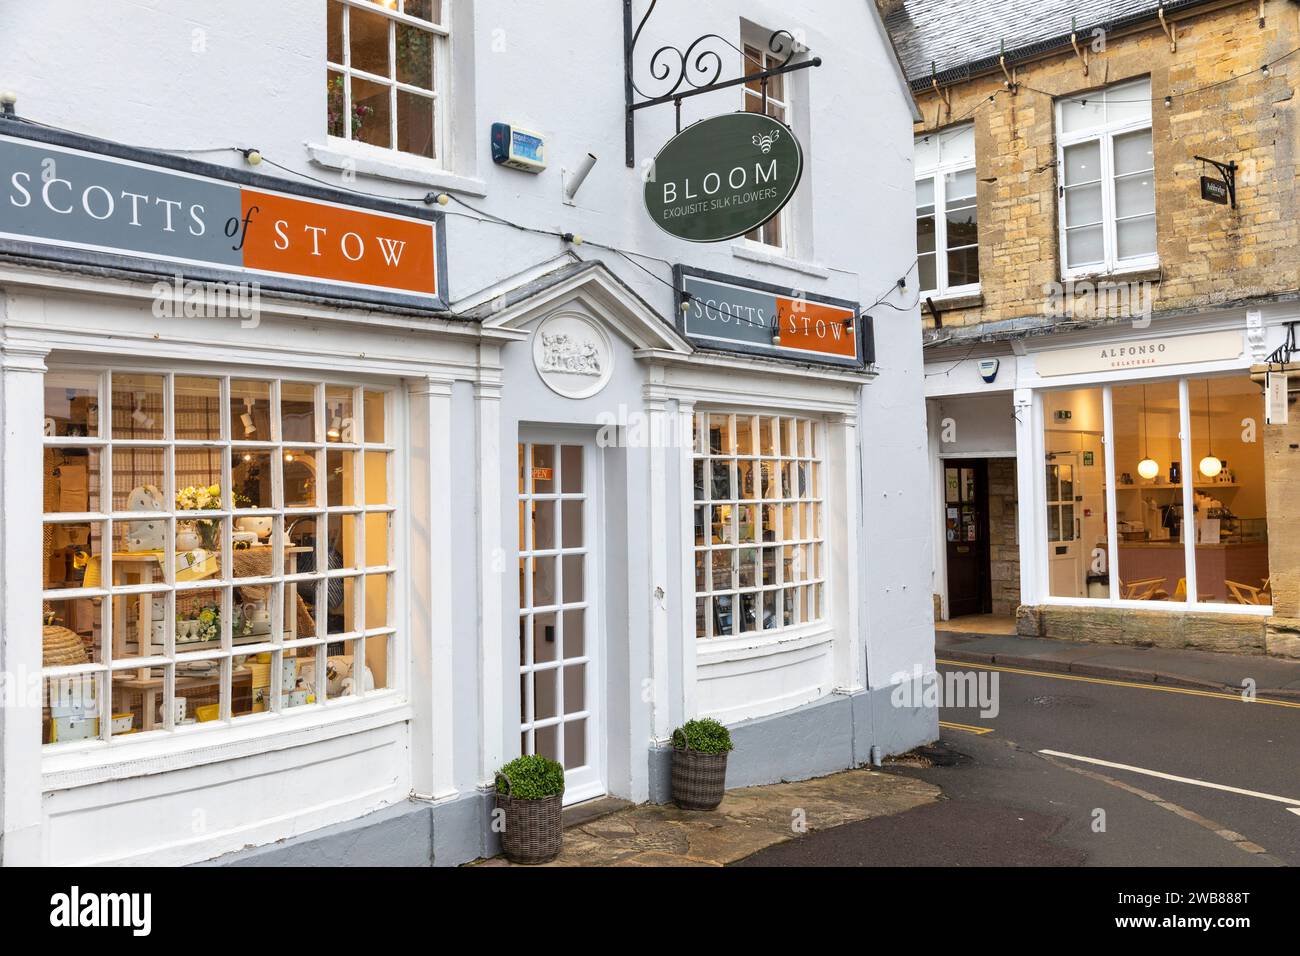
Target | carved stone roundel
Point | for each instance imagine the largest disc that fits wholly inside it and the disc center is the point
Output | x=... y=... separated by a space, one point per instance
x=573 y=355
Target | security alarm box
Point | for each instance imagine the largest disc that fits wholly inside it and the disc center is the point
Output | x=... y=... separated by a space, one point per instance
x=518 y=148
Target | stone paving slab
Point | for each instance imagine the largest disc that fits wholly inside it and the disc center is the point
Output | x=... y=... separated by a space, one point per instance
x=748 y=820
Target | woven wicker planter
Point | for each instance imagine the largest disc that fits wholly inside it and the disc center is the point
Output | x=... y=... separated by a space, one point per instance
x=533 y=829
x=699 y=779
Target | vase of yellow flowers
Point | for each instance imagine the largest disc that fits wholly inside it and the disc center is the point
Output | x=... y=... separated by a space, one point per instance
x=201 y=498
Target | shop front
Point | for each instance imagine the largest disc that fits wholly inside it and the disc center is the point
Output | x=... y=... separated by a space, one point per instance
x=209 y=611
x=1150 y=482
x=679 y=519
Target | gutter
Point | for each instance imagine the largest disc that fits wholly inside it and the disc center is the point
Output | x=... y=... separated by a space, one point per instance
x=1057 y=44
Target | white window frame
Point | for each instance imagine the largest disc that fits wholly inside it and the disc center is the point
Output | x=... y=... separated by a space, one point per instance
x=1036 y=524
x=1105 y=133
x=813 y=587
x=755 y=39
x=236 y=727
x=939 y=173
x=441 y=33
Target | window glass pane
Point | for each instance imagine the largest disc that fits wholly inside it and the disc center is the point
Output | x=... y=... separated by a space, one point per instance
x=297 y=412
x=430 y=10
x=1078 y=113
x=925 y=234
x=1134 y=195
x=371 y=113
x=250 y=410
x=1077 y=551
x=1129 y=102
x=926 y=266
x=964 y=266
x=72 y=404
x=198 y=410
x=374 y=404
x=1082 y=163
x=71 y=479
x=925 y=194
x=137 y=406
x=415 y=119
x=1084 y=246
x=1133 y=152
x=963 y=229
x=1149 y=507
x=959 y=185
x=368 y=39
x=1083 y=205
x=1136 y=237
x=415 y=56
x=340 y=421
x=334 y=32
x=1228 y=473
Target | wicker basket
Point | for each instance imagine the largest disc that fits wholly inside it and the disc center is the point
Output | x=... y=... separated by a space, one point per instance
x=533 y=828
x=699 y=779
x=61 y=647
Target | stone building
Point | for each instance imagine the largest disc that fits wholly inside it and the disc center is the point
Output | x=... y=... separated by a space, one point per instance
x=1108 y=269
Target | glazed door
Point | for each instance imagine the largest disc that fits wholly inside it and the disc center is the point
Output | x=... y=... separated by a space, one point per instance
x=1064 y=563
x=559 y=624
x=966 y=530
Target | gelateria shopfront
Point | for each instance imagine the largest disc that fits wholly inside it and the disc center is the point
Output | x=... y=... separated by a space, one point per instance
x=1145 y=488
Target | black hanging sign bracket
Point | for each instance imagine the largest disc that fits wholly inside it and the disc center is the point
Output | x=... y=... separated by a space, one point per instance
x=1222 y=191
x=694 y=70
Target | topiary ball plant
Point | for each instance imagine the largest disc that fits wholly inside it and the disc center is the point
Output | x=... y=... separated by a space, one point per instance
x=703 y=735
x=532 y=777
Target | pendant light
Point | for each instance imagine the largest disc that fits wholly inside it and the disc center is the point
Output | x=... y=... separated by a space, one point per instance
x=1210 y=466
x=1147 y=467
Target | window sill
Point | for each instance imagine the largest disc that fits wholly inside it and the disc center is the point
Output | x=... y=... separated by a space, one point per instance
x=755 y=252
x=950 y=301
x=1241 y=610
x=340 y=155
x=200 y=745
x=1147 y=272
x=750 y=646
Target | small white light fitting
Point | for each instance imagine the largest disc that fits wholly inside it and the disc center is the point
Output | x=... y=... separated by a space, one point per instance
x=8 y=100
x=572 y=237
x=1169 y=101
x=442 y=199
x=685 y=306
x=1148 y=468
x=1210 y=466
x=252 y=156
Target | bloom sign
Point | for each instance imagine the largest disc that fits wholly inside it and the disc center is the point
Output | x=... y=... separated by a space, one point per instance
x=741 y=315
x=723 y=177
x=82 y=200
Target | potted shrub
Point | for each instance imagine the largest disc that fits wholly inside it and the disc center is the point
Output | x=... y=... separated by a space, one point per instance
x=700 y=749
x=530 y=796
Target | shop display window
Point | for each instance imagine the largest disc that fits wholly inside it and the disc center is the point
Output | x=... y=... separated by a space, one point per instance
x=196 y=569
x=1190 y=515
x=759 y=532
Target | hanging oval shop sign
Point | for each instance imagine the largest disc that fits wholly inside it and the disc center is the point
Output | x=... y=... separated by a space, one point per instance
x=723 y=177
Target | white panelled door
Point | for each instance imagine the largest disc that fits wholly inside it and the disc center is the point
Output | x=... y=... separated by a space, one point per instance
x=559 y=612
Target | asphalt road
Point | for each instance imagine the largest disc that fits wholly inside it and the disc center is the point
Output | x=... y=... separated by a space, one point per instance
x=1007 y=803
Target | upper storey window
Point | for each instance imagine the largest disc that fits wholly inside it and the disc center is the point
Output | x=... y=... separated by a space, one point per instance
x=947 y=222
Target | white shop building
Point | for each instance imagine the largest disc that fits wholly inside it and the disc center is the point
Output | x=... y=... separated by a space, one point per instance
x=381 y=492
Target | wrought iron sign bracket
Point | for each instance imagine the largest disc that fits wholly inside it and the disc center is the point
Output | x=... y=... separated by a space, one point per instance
x=692 y=71
x=1228 y=171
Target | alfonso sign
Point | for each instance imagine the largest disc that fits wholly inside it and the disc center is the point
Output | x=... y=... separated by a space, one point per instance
x=723 y=177
x=87 y=201
x=740 y=315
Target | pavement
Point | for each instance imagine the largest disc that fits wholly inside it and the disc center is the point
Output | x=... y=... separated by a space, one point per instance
x=1204 y=670
x=748 y=820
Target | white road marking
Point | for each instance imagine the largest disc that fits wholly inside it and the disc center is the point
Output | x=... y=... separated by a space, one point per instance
x=1294 y=808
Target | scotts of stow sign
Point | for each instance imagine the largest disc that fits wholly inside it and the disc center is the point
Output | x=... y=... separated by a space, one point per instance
x=723 y=177
x=740 y=315
x=87 y=201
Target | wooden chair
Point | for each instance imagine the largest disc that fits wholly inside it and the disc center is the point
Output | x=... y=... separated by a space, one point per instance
x=1148 y=589
x=1246 y=594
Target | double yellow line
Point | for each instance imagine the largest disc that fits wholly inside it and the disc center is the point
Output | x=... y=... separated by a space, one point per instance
x=966 y=727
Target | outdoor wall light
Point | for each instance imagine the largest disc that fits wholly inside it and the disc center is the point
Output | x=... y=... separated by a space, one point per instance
x=252 y=156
